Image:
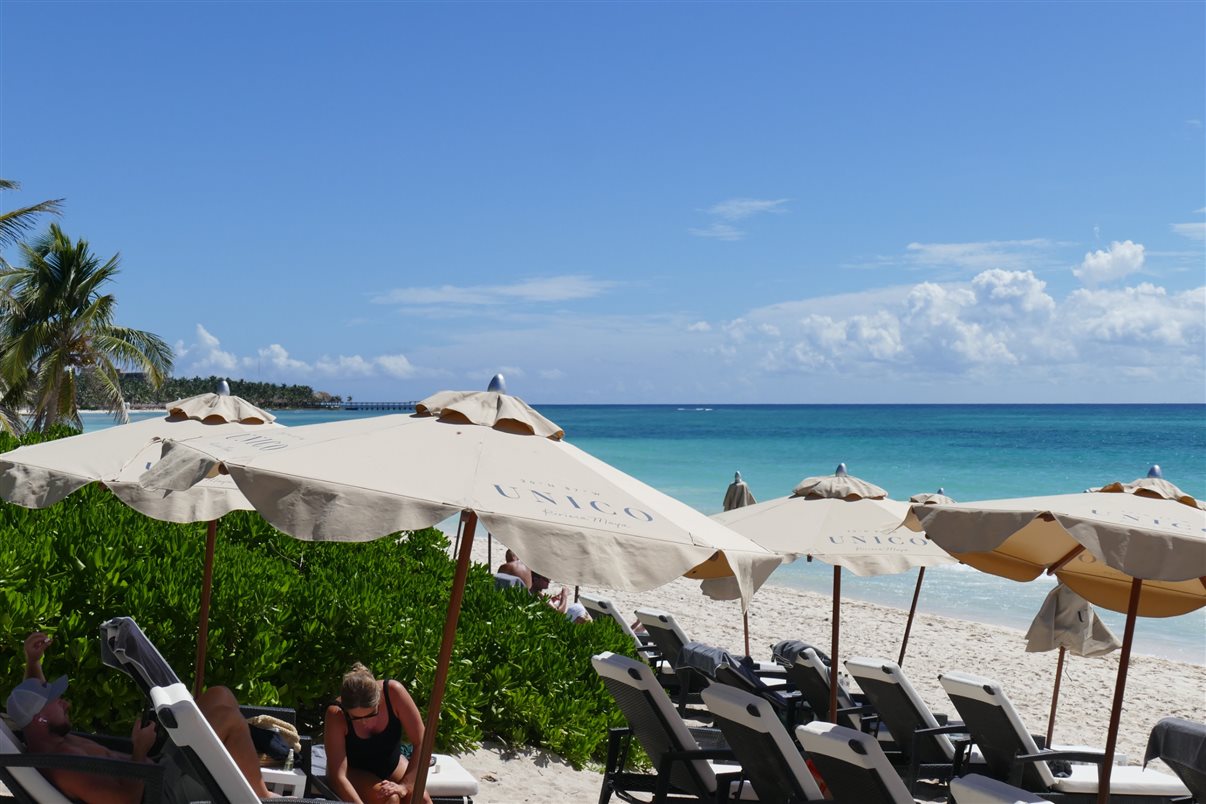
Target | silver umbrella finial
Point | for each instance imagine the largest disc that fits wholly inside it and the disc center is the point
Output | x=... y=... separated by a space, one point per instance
x=223 y=388
x=941 y=490
x=841 y=470
x=498 y=384
x=1155 y=471
x=736 y=477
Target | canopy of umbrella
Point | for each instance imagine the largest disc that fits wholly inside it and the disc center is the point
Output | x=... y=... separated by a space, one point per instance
x=487 y=456
x=1066 y=621
x=40 y=475
x=843 y=521
x=1137 y=548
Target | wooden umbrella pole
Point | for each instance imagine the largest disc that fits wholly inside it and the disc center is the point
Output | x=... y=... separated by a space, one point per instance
x=1124 y=660
x=1059 y=672
x=745 y=623
x=423 y=757
x=833 y=649
x=904 y=643
x=207 y=580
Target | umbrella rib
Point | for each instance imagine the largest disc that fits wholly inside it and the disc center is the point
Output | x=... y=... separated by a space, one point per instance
x=1071 y=554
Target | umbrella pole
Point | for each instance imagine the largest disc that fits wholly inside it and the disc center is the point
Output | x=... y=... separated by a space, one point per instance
x=1059 y=671
x=904 y=643
x=833 y=650
x=207 y=580
x=745 y=622
x=489 y=549
x=1124 y=660
x=468 y=524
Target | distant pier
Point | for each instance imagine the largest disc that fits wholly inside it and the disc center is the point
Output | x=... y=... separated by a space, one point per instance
x=369 y=405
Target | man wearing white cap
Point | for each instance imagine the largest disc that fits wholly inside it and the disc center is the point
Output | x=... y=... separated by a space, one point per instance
x=39 y=710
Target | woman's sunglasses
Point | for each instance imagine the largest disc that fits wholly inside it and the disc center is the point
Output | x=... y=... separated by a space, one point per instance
x=371 y=714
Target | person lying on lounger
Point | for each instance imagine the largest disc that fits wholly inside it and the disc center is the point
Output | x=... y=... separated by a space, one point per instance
x=41 y=712
x=363 y=736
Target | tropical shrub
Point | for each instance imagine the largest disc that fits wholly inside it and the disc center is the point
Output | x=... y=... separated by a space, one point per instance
x=288 y=617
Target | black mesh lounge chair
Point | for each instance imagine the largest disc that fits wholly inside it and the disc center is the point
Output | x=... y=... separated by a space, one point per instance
x=770 y=760
x=853 y=765
x=920 y=735
x=199 y=768
x=19 y=770
x=810 y=676
x=1011 y=753
x=686 y=761
x=1181 y=744
x=977 y=789
x=718 y=666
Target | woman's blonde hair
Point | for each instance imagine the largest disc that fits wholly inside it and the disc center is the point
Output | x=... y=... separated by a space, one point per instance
x=359 y=689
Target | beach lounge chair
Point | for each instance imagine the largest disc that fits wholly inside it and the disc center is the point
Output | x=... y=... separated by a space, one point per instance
x=770 y=759
x=19 y=770
x=718 y=666
x=687 y=762
x=447 y=780
x=1011 y=753
x=921 y=736
x=977 y=789
x=810 y=676
x=853 y=764
x=1181 y=744
x=198 y=766
x=602 y=608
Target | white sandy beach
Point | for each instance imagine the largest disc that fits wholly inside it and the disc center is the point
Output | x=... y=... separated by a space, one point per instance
x=1155 y=688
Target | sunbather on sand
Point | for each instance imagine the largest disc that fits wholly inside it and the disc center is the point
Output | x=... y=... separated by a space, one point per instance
x=364 y=732
x=40 y=711
x=513 y=566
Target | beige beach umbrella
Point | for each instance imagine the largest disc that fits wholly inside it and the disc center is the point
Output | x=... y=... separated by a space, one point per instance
x=1066 y=621
x=738 y=495
x=843 y=521
x=1138 y=548
x=489 y=457
x=40 y=475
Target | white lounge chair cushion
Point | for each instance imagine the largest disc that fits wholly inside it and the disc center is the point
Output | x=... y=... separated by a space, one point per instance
x=819 y=737
x=977 y=789
x=1125 y=780
x=447 y=777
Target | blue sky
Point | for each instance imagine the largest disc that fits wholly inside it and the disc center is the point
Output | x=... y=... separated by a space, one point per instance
x=636 y=202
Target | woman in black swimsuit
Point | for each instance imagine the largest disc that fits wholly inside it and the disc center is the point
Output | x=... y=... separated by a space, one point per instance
x=364 y=733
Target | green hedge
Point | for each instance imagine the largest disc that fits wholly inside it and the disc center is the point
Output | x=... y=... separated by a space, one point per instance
x=288 y=617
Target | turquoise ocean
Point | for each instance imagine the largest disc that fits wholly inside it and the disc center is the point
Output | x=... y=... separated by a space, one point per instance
x=971 y=451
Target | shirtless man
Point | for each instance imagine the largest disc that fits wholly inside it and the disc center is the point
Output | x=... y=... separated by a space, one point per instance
x=40 y=711
x=514 y=566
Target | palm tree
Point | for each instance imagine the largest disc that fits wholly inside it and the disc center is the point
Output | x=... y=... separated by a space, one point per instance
x=60 y=327
x=17 y=222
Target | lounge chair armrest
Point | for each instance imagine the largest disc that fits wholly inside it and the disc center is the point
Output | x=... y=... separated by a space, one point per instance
x=150 y=774
x=700 y=753
x=650 y=651
x=950 y=728
x=1092 y=757
x=861 y=709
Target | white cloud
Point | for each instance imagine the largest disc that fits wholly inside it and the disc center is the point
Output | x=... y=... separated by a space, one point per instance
x=699 y=326
x=1194 y=231
x=396 y=366
x=568 y=287
x=736 y=209
x=1141 y=316
x=1120 y=260
x=978 y=256
x=344 y=366
x=276 y=356
x=206 y=355
x=719 y=231
x=551 y=374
